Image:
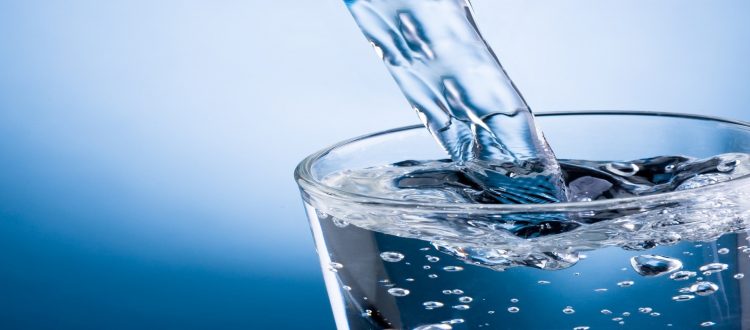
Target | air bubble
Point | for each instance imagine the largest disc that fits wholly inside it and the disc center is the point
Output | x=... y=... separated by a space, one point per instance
x=454 y=321
x=432 y=276
x=622 y=169
x=606 y=312
x=514 y=300
x=432 y=259
x=655 y=314
x=466 y=300
x=723 y=251
x=653 y=265
x=645 y=310
x=461 y=307
x=398 y=292
x=434 y=327
x=447 y=292
x=335 y=266
x=514 y=309
x=458 y=291
x=683 y=297
x=601 y=290
x=682 y=275
x=453 y=268
x=707 y=324
x=581 y=328
x=704 y=288
x=568 y=310
x=543 y=282
x=713 y=268
x=625 y=284
x=432 y=304
x=739 y=276
x=391 y=256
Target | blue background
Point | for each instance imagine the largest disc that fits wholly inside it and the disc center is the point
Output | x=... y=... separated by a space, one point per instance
x=147 y=147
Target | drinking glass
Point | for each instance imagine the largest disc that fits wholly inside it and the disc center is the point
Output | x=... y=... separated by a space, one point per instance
x=396 y=264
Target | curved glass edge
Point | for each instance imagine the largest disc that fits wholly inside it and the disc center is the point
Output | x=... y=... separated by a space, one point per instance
x=316 y=190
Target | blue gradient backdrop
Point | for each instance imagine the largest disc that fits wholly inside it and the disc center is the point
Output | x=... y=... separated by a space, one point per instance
x=147 y=147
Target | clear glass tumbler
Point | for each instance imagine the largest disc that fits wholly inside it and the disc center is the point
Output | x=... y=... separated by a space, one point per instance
x=393 y=264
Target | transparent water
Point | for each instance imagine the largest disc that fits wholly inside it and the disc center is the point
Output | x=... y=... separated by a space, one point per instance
x=453 y=80
x=680 y=265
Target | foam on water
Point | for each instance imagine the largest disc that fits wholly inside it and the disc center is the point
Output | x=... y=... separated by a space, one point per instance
x=554 y=240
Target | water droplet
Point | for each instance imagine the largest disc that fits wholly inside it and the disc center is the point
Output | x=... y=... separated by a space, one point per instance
x=683 y=297
x=581 y=328
x=682 y=275
x=335 y=266
x=391 y=256
x=466 y=300
x=461 y=307
x=514 y=300
x=440 y=326
x=453 y=268
x=707 y=324
x=713 y=268
x=723 y=251
x=606 y=312
x=432 y=276
x=514 y=309
x=625 y=284
x=432 y=304
x=458 y=291
x=544 y=282
x=704 y=288
x=653 y=265
x=601 y=290
x=655 y=314
x=739 y=276
x=398 y=292
x=645 y=310
x=432 y=259
x=568 y=310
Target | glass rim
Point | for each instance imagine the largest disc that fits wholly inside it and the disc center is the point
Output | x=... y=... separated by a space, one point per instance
x=304 y=177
